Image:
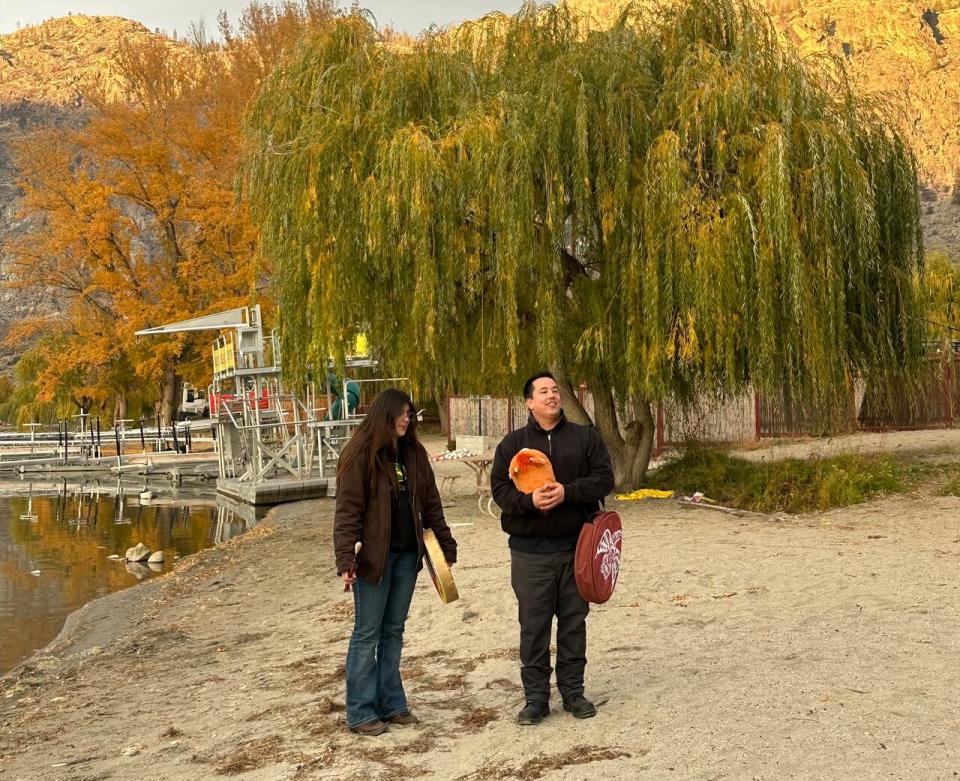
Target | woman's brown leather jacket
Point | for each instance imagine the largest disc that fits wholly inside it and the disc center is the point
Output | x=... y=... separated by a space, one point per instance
x=363 y=513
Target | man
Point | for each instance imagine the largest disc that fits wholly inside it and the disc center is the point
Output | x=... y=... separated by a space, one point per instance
x=544 y=527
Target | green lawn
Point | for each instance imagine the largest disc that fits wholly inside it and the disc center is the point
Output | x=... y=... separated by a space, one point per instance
x=796 y=485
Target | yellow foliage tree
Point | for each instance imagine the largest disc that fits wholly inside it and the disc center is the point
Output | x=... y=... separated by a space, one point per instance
x=137 y=218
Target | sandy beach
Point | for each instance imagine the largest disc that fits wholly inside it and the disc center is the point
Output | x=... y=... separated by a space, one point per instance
x=738 y=647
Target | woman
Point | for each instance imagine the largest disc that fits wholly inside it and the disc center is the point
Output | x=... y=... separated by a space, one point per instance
x=386 y=497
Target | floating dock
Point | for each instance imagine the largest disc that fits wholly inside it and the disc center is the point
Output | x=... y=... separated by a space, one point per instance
x=275 y=491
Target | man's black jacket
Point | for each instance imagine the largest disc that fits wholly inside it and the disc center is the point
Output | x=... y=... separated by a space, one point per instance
x=581 y=464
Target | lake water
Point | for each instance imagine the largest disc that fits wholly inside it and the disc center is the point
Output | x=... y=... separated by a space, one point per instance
x=54 y=546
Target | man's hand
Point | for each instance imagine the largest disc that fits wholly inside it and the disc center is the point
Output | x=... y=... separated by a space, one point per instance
x=549 y=496
x=349 y=578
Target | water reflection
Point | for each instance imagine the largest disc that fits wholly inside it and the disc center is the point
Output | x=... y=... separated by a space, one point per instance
x=55 y=540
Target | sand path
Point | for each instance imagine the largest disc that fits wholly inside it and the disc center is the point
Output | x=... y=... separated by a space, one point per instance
x=823 y=646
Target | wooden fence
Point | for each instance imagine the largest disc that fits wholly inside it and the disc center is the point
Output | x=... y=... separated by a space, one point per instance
x=932 y=400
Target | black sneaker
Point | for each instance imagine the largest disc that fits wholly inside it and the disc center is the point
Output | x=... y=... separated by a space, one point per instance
x=533 y=713
x=580 y=707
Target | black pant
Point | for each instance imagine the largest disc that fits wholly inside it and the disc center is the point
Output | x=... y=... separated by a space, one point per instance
x=545 y=587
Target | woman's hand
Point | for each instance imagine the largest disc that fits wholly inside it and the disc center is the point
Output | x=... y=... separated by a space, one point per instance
x=350 y=576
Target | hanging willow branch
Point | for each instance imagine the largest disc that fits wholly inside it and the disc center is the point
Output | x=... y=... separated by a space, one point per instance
x=676 y=204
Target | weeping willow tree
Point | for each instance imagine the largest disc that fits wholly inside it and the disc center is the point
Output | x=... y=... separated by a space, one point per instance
x=675 y=207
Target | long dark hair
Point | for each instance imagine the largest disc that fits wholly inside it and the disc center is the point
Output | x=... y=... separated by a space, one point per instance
x=374 y=443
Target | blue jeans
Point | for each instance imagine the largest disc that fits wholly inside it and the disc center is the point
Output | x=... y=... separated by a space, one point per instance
x=374 y=689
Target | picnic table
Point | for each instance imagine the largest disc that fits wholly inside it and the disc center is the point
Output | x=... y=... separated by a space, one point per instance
x=480 y=466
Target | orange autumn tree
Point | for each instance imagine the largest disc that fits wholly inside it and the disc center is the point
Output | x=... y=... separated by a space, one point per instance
x=137 y=219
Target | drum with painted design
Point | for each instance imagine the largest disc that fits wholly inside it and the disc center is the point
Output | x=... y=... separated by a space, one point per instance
x=596 y=563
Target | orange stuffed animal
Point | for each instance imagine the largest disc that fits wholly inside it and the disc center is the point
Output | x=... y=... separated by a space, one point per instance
x=530 y=469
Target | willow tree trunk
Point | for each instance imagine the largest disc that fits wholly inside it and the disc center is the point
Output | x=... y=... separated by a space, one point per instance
x=629 y=441
x=442 y=399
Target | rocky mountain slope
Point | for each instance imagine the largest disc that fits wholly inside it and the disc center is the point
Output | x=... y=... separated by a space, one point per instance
x=57 y=61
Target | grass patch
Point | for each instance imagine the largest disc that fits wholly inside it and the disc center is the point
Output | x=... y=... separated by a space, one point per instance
x=791 y=485
x=951 y=485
